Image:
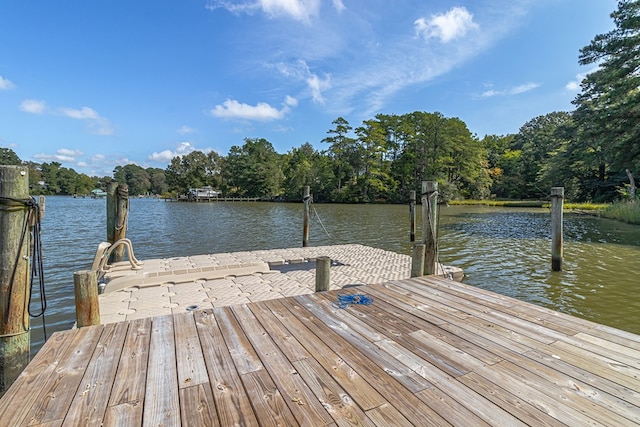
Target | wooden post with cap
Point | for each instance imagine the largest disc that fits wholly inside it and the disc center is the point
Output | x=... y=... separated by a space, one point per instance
x=306 y=198
x=412 y=216
x=429 y=225
x=15 y=243
x=557 y=202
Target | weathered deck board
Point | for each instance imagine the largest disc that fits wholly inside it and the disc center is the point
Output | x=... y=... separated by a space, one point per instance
x=427 y=352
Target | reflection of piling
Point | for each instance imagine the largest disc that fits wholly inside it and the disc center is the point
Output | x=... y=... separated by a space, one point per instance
x=15 y=241
x=323 y=264
x=86 y=292
x=557 y=201
x=429 y=225
x=412 y=216
x=117 y=215
x=306 y=198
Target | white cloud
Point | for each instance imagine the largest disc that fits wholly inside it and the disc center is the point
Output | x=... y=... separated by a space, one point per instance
x=232 y=109
x=33 y=106
x=300 y=71
x=82 y=114
x=6 y=84
x=299 y=10
x=290 y=101
x=182 y=149
x=184 y=130
x=516 y=90
x=99 y=125
x=61 y=155
x=454 y=24
x=574 y=85
x=317 y=85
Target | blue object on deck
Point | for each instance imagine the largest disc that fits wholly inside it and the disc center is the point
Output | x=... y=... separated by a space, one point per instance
x=345 y=301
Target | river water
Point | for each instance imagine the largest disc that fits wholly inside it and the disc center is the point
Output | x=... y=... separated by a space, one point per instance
x=506 y=250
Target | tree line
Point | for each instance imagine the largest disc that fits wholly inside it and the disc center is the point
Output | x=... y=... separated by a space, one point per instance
x=591 y=151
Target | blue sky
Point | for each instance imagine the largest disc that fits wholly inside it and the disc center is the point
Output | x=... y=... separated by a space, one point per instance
x=96 y=84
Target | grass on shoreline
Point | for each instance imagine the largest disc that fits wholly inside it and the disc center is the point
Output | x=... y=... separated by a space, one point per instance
x=530 y=204
x=624 y=211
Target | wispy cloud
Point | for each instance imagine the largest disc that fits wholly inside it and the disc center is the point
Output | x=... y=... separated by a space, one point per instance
x=232 y=109
x=96 y=123
x=574 y=85
x=33 y=106
x=454 y=24
x=62 y=155
x=299 y=71
x=299 y=10
x=183 y=148
x=6 y=84
x=185 y=130
x=515 y=90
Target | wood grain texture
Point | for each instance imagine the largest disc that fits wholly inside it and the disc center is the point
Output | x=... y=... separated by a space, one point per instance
x=427 y=352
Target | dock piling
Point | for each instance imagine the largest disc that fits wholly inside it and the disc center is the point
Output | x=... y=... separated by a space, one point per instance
x=85 y=285
x=15 y=243
x=557 y=201
x=429 y=225
x=323 y=280
x=306 y=198
x=412 y=216
x=117 y=216
x=417 y=260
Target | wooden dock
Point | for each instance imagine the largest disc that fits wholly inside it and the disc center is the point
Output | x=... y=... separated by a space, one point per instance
x=427 y=352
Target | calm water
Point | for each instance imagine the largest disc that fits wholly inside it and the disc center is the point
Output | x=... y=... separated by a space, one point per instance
x=504 y=250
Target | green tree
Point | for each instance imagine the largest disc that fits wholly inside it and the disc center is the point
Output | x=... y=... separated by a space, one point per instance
x=9 y=157
x=136 y=177
x=157 y=181
x=343 y=152
x=539 y=140
x=376 y=183
x=192 y=170
x=306 y=166
x=606 y=134
x=255 y=169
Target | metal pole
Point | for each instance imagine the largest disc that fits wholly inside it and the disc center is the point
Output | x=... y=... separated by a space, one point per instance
x=557 y=201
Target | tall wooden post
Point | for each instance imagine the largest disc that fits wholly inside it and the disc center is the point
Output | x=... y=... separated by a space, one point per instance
x=323 y=280
x=306 y=198
x=412 y=216
x=429 y=225
x=557 y=201
x=111 y=211
x=122 y=216
x=85 y=285
x=15 y=243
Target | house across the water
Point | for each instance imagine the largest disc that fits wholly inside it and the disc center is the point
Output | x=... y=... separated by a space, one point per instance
x=203 y=193
x=98 y=194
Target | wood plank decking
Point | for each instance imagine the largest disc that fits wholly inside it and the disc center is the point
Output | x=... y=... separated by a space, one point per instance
x=427 y=352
